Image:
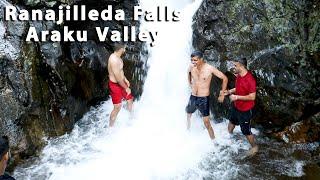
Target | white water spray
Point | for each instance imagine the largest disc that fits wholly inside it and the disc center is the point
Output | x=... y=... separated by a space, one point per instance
x=155 y=145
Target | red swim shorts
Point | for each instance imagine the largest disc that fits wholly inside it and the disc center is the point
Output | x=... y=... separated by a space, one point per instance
x=118 y=93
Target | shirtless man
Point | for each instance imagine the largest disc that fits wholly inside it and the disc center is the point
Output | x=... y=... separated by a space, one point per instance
x=119 y=85
x=199 y=75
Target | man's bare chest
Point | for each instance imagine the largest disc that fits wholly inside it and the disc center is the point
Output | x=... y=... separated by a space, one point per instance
x=201 y=75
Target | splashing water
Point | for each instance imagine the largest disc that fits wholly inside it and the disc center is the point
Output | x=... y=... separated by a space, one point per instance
x=155 y=144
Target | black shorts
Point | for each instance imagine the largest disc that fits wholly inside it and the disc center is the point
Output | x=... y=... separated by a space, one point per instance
x=200 y=103
x=242 y=118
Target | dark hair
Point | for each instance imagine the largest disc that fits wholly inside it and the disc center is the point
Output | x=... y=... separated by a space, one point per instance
x=197 y=54
x=4 y=146
x=243 y=61
x=118 y=46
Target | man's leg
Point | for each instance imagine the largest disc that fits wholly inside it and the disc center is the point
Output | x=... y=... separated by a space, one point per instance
x=130 y=108
x=231 y=127
x=189 y=120
x=191 y=108
x=254 y=147
x=130 y=105
x=246 y=130
x=251 y=140
x=114 y=113
x=233 y=120
x=206 y=122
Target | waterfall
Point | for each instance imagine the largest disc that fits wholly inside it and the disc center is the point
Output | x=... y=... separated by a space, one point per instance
x=155 y=144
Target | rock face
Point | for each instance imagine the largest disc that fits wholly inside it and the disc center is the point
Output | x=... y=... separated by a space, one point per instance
x=301 y=132
x=46 y=87
x=280 y=39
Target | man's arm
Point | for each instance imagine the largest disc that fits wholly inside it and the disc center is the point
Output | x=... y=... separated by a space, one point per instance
x=115 y=66
x=221 y=76
x=249 y=97
x=224 y=79
x=189 y=75
x=231 y=91
x=127 y=81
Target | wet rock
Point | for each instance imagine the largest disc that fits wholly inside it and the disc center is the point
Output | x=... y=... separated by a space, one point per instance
x=52 y=52
x=51 y=3
x=301 y=132
x=31 y=2
x=75 y=53
x=11 y=109
x=16 y=80
x=10 y=45
x=94 y=55
x=282 y=49
x=15 y=28
x=48 y=3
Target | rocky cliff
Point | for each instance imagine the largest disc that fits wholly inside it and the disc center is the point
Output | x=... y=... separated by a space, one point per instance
x=281 y=40
x=45 y=87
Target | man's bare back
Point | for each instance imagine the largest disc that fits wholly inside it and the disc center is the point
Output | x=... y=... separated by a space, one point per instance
x=119 y=86
x=115 y=65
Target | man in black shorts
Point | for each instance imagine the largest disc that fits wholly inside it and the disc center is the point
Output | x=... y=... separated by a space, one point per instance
x=200 y=74
x=243 y=97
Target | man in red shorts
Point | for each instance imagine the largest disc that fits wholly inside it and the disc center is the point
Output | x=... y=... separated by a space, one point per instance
x=243 y=97
x=119 y=85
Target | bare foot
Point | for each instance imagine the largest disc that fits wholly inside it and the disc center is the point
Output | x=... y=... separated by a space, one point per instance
x=214 y=142
x=213 y=137
x=253 y=151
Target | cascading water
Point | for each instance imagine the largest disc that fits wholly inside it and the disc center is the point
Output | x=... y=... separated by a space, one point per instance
x=155 y=144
